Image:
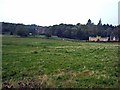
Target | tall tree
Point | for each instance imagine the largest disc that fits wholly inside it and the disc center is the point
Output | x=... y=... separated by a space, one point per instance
x=22 y=31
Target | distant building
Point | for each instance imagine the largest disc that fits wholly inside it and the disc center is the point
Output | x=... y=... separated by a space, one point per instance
x=30 y=34
x=104 y=39
x=94 y=39
x=114 y=38
x=98 y=38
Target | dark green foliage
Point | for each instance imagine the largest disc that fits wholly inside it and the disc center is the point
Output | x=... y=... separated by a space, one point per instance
x=78 y=31
x=21 y=31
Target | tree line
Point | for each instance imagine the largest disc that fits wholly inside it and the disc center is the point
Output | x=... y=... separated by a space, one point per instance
x=78 y=31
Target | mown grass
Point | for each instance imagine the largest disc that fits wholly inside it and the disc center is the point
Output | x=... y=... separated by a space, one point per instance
x=41 y=62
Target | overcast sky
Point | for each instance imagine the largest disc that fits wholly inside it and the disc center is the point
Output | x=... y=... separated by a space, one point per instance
x=51 y=12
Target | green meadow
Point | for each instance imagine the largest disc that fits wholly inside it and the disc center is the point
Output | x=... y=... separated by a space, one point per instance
x=58 y=63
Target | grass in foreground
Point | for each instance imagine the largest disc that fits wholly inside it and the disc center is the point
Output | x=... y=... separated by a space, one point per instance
x=40 y=62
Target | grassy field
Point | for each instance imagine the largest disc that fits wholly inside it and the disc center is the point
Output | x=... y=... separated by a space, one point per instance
x=41 y=62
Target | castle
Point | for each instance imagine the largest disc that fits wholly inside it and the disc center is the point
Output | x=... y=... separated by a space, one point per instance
x=103 y=39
